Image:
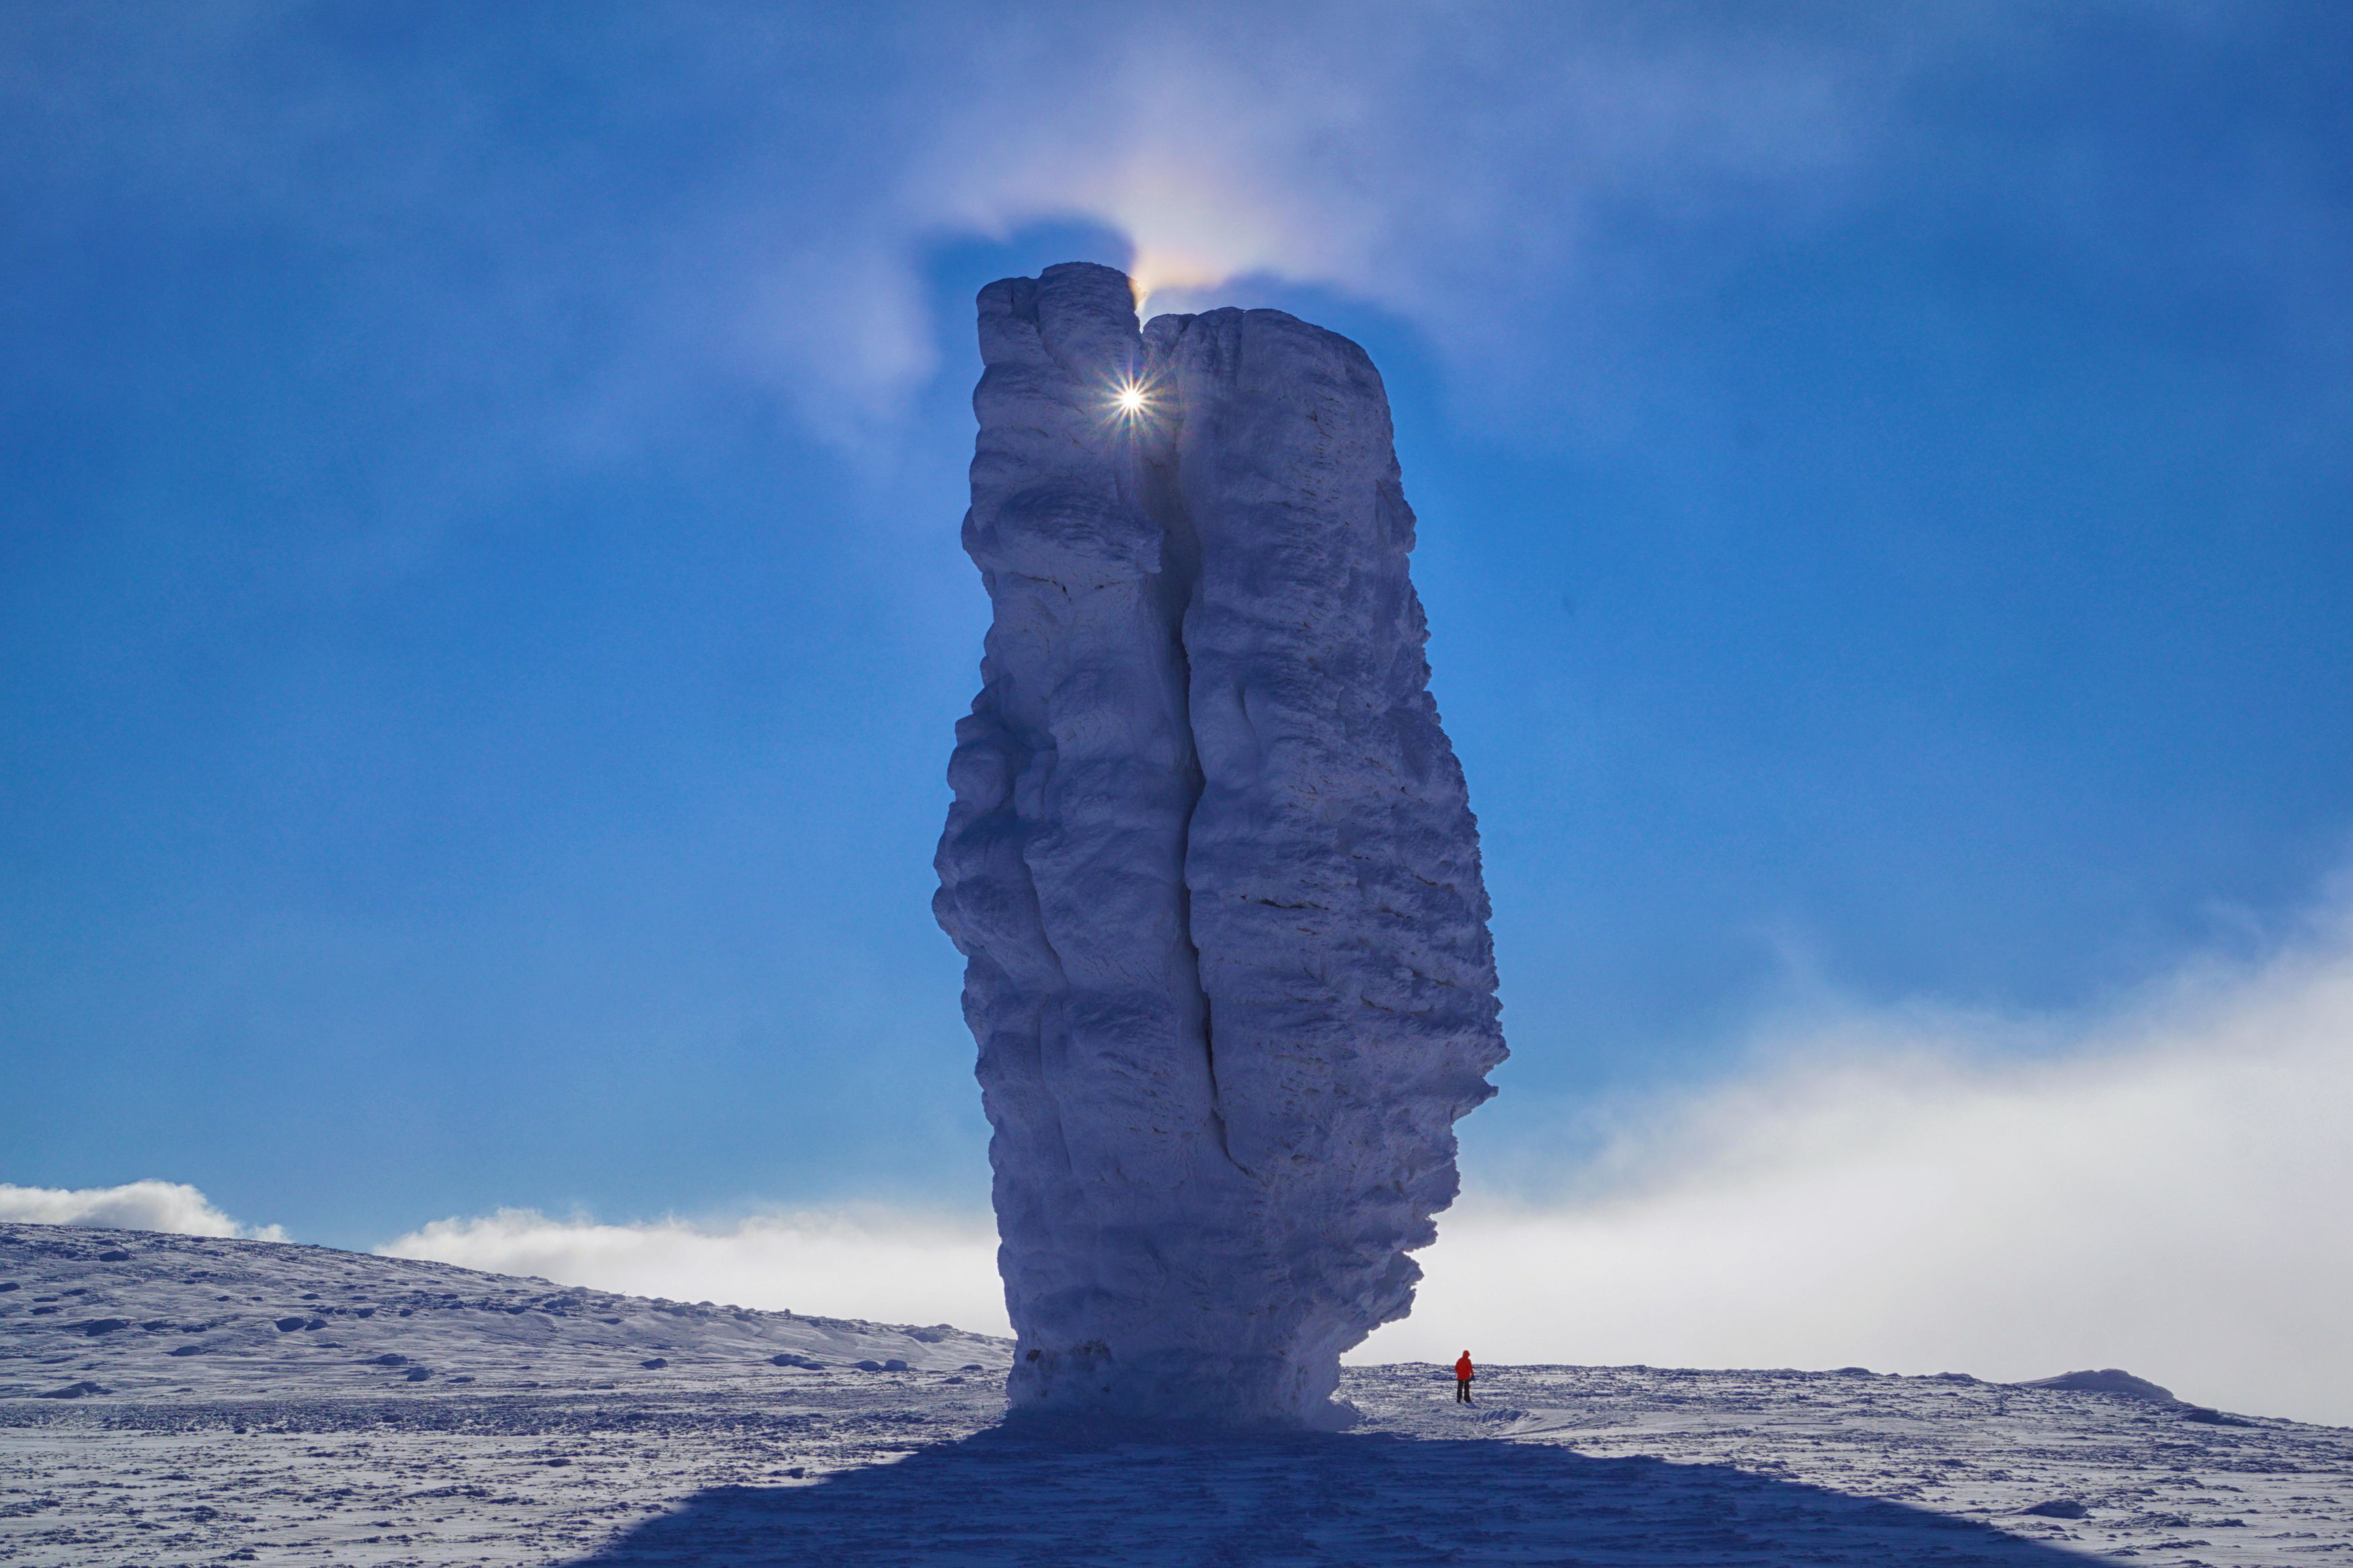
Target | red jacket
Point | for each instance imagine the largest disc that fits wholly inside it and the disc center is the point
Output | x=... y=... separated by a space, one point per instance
x=1462 y=1368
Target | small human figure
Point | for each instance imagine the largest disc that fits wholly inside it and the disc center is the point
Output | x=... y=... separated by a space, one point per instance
x=1463 y=1375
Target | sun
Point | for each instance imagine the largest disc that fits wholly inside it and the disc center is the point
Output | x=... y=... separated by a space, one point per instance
x=1130 y=399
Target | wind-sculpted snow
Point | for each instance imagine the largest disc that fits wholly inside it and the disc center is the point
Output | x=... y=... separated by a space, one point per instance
x=1211 y=860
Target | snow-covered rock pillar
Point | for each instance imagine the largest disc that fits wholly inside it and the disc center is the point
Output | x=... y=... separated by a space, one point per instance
x=1210 y=859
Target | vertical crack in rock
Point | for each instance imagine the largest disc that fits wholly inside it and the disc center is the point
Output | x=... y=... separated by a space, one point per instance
x=1204 y=783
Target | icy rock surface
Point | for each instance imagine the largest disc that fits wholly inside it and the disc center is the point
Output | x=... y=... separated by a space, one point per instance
x=1211 y=860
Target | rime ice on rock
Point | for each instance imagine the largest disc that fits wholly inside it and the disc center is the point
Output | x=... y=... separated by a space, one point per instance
x=1210 y=859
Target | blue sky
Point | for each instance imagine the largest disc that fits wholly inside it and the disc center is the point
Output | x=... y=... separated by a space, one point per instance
x=480 y=617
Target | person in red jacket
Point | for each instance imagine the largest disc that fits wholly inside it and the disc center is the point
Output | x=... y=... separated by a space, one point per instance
x=1463 y=1375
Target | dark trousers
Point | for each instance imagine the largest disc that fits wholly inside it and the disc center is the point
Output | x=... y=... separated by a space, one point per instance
x=1462 y=1391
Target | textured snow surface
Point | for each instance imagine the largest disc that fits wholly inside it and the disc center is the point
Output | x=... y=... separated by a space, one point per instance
x=566 y=1451
x=179 y=1316
x=1211 y=860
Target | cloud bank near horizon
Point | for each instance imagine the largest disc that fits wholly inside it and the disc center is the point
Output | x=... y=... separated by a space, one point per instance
x=172 y=1206
x=886 y=1266
x=2163 y=1192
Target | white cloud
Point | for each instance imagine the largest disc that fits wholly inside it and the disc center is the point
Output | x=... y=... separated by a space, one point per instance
x=889 y=1266
x=2166 y=1193
x=172 y=1206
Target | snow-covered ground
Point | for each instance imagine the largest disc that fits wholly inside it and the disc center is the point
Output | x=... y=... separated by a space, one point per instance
x=252 y=1402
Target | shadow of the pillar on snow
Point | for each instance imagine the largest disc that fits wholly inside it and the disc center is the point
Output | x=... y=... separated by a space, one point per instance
x=1010 y=1497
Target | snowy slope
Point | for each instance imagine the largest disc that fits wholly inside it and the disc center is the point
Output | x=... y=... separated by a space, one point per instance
x=147 y=1315
x=300 y=1447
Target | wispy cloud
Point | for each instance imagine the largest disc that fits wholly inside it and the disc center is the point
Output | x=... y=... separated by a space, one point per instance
x=172 y=1206
x=2161 y=1189
x=1455 y=175
x=1448 y=171
x=751 y=193
x=888 y=1266
x=552 y=245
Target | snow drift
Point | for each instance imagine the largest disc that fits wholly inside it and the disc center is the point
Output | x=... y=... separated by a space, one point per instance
x=1210 y=860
